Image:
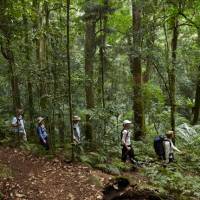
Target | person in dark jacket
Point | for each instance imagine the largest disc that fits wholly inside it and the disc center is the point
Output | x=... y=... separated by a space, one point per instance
x=42 y=133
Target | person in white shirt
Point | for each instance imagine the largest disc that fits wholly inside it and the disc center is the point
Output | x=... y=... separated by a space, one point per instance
x=127 y=150
x=76 y=129
x=18 y=124
x=169 y=147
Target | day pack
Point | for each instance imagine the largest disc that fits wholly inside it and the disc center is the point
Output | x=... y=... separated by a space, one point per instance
x=159 y=147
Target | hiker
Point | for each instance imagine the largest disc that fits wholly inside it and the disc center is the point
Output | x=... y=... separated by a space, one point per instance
x=127 y=150
x=169 y=147
x=76 y=129
x=42 y=133
x=164 y=147
x=18 y=125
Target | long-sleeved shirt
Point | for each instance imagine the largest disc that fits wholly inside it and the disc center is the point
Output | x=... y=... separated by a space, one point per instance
x=126 y=138
x=76 y=132
x=169 y=149
x=18 y=124
x=42 y=133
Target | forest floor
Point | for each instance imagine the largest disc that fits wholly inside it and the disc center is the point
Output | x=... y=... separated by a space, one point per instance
x=24 y=176
x=36 y=178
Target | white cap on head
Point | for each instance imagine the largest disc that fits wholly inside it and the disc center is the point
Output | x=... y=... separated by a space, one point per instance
x=126 y=122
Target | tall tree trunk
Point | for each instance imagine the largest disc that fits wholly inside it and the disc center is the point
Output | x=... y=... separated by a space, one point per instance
x=138 y=107
x=69 y=77
x=172 y=75
x=61 y=128
x=8 y=54
x=197 y=101
x=102 y=54
x=102 y=51
x=29 y=83
x=149 y=64
x=196 y=107
x=36 y=26
x=41 y=22
x=90 y=25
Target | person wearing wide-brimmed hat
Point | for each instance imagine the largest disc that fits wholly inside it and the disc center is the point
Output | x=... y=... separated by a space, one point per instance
x=169 y=147
x=127 y=150
x=76 y=129
x=18 y=124
x=42 y=133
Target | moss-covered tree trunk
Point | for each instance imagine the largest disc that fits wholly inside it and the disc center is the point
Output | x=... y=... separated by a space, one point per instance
x=27 y=43
x=90 y=25
x=196 y=107
x=172 y=71
x=197 y=101
x=69 y=78
x=7 y=52
x=138 y=107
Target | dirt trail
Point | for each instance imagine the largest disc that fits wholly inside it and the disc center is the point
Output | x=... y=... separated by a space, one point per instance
x=36 y=178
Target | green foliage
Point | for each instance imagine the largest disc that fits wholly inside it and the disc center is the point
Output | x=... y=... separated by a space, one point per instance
x=108 y=168
x=1 y=196
x=34 y=149
x=35 y=35
x=5 y=171
x=123 y=167
x=94 y=180
x=172 y=181
x=93 y=158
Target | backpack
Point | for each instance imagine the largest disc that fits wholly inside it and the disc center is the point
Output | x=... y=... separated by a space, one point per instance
x=159 y=147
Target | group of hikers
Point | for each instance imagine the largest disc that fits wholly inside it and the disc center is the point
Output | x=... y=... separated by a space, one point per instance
x=163 y=145
x=18 y=128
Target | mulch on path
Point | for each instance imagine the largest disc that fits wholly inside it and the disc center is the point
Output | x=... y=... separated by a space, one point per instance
x=37 y=178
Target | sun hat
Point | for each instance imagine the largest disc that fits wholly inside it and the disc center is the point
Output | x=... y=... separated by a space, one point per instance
x=40 y=119
x=76 y=118
x=19 y=110
x=170 y=133
x=126 y=122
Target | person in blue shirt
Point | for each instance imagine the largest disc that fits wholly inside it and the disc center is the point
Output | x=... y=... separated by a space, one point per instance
x=42 y=133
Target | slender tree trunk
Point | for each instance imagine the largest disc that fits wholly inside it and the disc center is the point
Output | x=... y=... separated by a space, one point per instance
x=89 y=59
x=61 y=128
x=40 y=22
x=196 y=107
x=29 y=83
x=197 y=102
x=31 y=105
x=102 y=53
x=149 y=64
x=138 y=106
x=8 y=54
x=69 y=77
x=172 y=75
x=36 y=26
x=15 y=85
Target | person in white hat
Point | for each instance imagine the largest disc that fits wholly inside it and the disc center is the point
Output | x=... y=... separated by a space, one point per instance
x=127 y=150
x=18 y=124
x=169 y=147
x=42 y=133
x=76 y=129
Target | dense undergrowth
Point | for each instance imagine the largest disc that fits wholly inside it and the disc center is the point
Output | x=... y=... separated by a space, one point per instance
x=179 y=179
